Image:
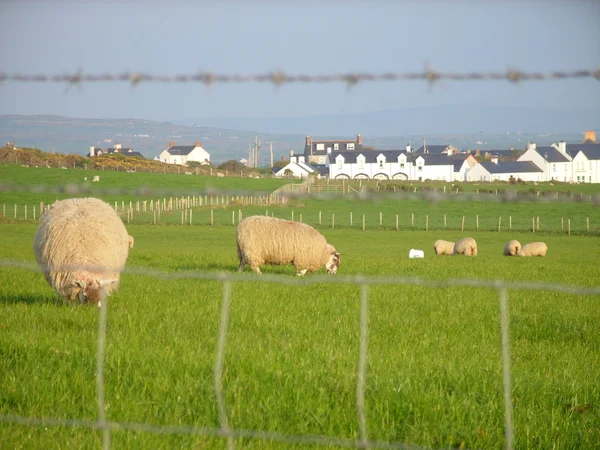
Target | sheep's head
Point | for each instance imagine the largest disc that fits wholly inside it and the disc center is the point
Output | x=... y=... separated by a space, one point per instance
x=93 y=291
x=334 y=261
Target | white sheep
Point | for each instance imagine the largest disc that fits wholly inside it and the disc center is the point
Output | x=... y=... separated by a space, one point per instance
x=533 y=249
x=511 y=248
x=465 y=246
x=442 y=247
x=268 y=240
x=82 y=245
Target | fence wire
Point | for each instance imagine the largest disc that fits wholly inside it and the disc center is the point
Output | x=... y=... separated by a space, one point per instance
x=278 y=78
x=228 y=432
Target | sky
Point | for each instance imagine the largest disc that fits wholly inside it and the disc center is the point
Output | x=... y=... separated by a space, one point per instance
x=307 y=37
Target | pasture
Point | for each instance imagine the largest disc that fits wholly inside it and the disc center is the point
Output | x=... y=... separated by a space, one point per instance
x=434 y=367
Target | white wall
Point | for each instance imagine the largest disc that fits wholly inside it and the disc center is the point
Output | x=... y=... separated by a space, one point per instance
x=199 y=154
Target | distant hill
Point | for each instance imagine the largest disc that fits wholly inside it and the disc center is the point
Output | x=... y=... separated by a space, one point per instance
x=423 y=121
x=229 y=138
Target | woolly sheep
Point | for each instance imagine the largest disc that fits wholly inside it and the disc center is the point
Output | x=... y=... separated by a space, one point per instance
x=268 y=240
x=81 y=245
x=511 y=248
x=443 y=247
x=533 y=249
x=465 y=246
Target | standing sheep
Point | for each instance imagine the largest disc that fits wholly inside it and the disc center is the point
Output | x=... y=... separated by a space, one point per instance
x=443 y=247
x=511 y=248
x=267 y=240
x=465 y=246
x=81 y=246
x=533 y=249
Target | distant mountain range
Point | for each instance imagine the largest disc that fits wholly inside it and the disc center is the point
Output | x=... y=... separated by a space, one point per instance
x=466 y=127
x=423 y=121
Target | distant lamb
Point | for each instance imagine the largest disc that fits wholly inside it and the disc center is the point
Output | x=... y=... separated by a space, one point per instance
x=511 y=248
x=465 y=246
x=82 y=246
x=443 y=247
x=533 y=249
x=267 y=240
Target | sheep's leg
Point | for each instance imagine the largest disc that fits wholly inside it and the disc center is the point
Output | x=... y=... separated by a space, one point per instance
x=256 y=269
x=241 y=267
x=301 y=272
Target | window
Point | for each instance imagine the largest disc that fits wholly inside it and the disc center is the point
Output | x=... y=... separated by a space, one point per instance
x=336 y=146
x=419 y=167
x=320 y=147
x=402 y=165
x=350 y=146
x=553 y=167
x=381 y=164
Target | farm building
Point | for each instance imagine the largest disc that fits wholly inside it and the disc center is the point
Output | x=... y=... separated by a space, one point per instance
x=182 y=154
x=316 y=151
x=297 y=168
x=504 y=171
x=116 y=149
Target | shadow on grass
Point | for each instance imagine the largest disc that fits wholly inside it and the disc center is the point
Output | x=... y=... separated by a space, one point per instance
x=31 y=299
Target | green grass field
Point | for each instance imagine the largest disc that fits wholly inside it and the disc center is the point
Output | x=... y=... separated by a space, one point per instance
x=434 y=373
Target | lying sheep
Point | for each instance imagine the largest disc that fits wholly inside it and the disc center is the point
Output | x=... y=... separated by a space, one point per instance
x=511 y=248
x=267 y=240
x=443 y=247
x=533 y=249
x=81 y=246
x=465 y=246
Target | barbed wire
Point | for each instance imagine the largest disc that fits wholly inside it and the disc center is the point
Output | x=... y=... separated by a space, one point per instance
x=279 y=78
x=302 y=191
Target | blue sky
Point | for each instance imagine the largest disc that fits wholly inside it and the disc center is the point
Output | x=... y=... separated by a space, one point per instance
x=311 y=37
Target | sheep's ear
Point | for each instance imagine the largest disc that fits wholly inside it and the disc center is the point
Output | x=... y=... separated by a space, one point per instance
x=107 y=282
x=337 y=256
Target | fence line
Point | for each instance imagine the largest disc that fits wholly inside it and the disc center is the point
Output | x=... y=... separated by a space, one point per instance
x=279 y=78
x=501 y=286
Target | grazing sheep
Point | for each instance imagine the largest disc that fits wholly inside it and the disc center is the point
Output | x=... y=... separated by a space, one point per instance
x=267 y=240
x=465 y=246
x=533 y=249
x=81 y=245
x=443 y=247
x=96 y=178
x=511 y=248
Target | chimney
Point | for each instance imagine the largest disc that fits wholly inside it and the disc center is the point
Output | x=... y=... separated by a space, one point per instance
x=308 y=140
x=293 y=159
x=117 y=146
x=301 y=159
x=197 y=144
x=495 y=159
x=408 y=148
x=359 y=140
x=562 y=147
x=92 y=151
x=531 y=146
x=171 y=144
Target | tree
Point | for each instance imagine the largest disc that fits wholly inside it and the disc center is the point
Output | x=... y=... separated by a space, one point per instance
x=232 y=166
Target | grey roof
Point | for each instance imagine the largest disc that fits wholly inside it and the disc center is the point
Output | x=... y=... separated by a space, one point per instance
x=181 y=149
x=551 y=154
x=590 y=150
x=313 y=146
x=511 y=167
x=432 y=149
x=392 y=155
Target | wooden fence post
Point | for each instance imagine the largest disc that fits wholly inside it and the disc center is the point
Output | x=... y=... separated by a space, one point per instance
x=191 y=216
x=319 y=217
x=510 y=222
x=562 y=224
x=499 y=224
x=427 y=223
x=332 y=221
x=15 y=210
x=363 y=222
x=396 y=222
x=587 y=222
x=533 y=224
x=212 y=218
x=380 y=218
x=412 y=220
x=350 y=218
x=462 y=225
x=569 y=225
x=444 y=214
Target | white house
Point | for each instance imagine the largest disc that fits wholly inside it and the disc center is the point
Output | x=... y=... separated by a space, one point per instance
x=297 y=167
x=393 y=165
x=585 y=163
x=503 y=171
x=109 y=151
x=554 y=161
x=182 y=154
